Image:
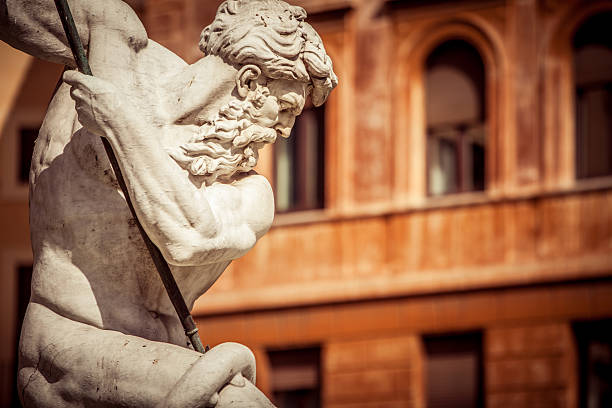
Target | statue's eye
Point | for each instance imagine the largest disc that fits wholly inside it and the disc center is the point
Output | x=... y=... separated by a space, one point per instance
x=285 y=105
x=290 y=103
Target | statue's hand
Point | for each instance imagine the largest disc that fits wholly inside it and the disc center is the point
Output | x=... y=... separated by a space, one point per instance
x=99 y=105
x=240 y=393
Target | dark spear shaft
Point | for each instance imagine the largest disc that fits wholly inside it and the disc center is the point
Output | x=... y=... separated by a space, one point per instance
x=160 y=263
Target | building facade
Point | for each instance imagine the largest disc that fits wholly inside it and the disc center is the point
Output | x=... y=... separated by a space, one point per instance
x=443 y=234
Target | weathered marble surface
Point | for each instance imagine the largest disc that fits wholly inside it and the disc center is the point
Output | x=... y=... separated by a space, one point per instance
x=100 y=330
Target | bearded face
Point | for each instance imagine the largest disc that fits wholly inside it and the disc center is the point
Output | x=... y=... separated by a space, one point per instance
x=230 y=143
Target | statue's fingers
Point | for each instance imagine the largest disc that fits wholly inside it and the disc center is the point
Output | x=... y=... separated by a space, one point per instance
x=73 y=78
x=84 y=83
x=83 y=114
x=87 y=83
x=80 y=98
x=238 y=380
x=247 y=396
x=75 y=93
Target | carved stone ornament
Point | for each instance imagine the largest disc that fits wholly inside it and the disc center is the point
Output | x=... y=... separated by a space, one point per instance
x=100 y=330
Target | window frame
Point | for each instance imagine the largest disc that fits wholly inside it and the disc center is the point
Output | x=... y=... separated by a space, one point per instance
x=414 y=45
x=455 y=343
x=580 y=92
x=586 y=332
x=304 y=354
x=460 y=130
x=12 y=189
x=461 y=140
x=559 y=99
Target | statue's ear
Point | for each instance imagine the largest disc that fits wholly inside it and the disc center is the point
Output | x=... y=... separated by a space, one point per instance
x=246 y=79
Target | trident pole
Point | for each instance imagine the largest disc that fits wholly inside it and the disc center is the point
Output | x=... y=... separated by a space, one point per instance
x=161 y=265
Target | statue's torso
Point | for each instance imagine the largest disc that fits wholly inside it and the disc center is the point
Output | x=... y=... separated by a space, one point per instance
x=91 y=263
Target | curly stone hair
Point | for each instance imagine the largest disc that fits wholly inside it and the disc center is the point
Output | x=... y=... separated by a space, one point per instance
x=274 y=36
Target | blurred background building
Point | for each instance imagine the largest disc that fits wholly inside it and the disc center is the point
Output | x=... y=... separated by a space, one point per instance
x=443 y=234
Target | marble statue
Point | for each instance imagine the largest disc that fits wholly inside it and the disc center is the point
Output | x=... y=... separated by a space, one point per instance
x=100 y=330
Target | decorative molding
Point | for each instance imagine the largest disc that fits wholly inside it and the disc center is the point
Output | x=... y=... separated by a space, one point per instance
x=398 y=283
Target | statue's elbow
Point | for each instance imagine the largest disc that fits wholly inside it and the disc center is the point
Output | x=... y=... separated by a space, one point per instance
x=188 y=252
x=197 y=248
x=180 y=255
x=188 y=246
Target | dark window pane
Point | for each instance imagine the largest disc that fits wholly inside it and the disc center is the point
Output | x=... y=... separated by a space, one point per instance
x=295 y=377
x=296 y=399
x=594 y=340
x=454 y=371
x=593 y=78
x=455 y=114
x=299 y=164
x=27 y=137
x=478 y=161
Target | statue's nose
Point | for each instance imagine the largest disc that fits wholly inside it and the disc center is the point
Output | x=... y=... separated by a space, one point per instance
x=284 y=131
x=285 y=123
x=286 y=120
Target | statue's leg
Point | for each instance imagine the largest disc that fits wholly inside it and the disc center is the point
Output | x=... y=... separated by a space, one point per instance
x=71 y=364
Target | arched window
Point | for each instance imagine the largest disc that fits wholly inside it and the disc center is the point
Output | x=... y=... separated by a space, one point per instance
x=455 y=114
x=593 y=79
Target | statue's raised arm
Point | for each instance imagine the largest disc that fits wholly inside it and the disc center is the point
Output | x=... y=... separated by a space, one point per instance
x=100 y=330
x=33 y=26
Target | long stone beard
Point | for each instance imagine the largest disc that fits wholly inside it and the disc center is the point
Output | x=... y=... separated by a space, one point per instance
x=227 y=146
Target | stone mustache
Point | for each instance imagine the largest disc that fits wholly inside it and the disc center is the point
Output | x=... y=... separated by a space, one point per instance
x=100 y=330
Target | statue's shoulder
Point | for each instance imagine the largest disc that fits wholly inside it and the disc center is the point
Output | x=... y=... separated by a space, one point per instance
x=113 y=18
x=156 y=57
